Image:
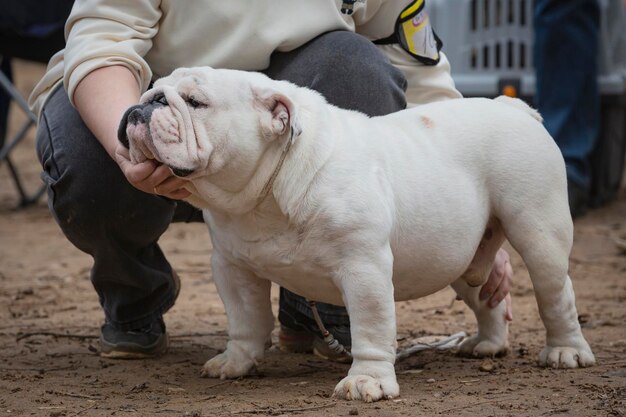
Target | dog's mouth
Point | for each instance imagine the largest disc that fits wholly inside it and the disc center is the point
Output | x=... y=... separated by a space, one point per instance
x=135 y=134
x=181 y=172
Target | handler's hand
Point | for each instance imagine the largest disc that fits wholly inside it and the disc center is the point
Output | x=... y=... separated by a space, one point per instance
x=498 y=284
x=150 y=176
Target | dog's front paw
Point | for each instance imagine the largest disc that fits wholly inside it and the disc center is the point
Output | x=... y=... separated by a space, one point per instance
x=227 y=365
x=367 y=388
x=566 y=357
x=477 y=347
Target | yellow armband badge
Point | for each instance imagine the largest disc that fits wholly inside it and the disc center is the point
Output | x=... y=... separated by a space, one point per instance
x=415 y=34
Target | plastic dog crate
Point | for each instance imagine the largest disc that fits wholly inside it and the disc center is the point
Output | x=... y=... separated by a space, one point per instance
x=489 y=44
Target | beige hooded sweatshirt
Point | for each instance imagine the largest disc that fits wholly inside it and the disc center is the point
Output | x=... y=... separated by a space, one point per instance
x=153 y=37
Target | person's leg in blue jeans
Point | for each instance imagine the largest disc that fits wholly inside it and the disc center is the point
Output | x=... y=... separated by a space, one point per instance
x=565 y=56
x=102 y=214
x=119 y=226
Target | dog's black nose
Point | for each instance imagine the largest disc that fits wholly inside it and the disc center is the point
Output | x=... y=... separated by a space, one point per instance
x=136 y=116
x=121 y=130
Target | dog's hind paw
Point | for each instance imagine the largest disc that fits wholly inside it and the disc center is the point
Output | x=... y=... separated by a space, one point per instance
x=366 y=388
x=483 y=348
x=223 y=366
x=566 y=357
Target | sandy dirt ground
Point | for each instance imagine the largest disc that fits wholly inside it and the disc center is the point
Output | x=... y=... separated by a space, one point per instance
x=50 y=318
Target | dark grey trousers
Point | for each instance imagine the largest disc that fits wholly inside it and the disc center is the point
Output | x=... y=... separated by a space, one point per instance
x=119 y=226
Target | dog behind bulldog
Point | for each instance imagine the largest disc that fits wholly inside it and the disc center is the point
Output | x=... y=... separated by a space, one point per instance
x=358 y=211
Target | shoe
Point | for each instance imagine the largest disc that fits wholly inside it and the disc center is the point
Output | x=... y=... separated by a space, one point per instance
x=300 y=334
x=304 y=341
x=295 y=341
x=578 y=199
x=145 y=342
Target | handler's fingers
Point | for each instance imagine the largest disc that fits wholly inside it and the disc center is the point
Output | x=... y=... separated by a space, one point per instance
x=495 y=277
x=145 y=175
x=179 y=194
x=504 y=287
x=508 y=312
x=122 y=151
x=170 y=184
x=135 y=174
x=159 y=176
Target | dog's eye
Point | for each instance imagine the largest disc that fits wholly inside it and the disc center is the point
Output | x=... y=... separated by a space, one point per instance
x=195 y=103
x=160 y=99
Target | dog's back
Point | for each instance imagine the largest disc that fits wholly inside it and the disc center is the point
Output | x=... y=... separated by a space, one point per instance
x=521 y=105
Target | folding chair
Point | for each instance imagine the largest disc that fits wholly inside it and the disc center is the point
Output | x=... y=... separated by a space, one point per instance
x=6 y=146
x=31 y=30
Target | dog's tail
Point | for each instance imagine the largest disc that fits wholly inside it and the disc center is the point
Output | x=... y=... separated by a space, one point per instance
x=521 y=105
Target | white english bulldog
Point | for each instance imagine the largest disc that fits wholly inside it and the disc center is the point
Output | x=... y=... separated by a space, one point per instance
x=358 y=211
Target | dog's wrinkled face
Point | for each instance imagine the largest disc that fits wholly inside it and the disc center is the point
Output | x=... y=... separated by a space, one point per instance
x=198 y=120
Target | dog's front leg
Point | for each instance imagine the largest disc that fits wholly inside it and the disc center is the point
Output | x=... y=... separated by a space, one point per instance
x=368 y=293
x=250 y=320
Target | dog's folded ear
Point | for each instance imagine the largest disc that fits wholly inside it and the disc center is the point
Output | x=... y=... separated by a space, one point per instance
x=279 y=115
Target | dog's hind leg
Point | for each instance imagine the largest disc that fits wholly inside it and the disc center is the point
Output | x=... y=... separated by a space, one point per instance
x=543 y=235
x=492 y=336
